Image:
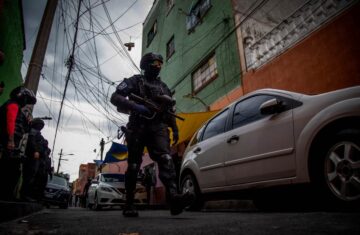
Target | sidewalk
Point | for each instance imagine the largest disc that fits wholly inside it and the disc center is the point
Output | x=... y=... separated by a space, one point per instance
x=12 y=210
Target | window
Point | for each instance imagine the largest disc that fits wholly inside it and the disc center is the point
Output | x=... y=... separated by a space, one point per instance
x=205 y=74
x=152 y=33
x=113 y=178
x=216 y=125
x=248 y=111
x=197 y=136
x=196 y=14
x=170 y=47
x=169 y=5
x=58 y=180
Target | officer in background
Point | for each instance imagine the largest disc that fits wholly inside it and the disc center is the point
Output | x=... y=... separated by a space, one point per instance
x=35 y=151
x=45 y=171
x=148 y=129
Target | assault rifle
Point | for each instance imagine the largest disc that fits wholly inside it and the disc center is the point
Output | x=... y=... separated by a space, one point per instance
x=164 y=100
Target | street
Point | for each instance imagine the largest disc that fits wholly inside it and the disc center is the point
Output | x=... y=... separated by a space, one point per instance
x=111 y=221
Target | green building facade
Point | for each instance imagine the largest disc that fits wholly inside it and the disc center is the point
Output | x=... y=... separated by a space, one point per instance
x=12 y=44
x=198 y=42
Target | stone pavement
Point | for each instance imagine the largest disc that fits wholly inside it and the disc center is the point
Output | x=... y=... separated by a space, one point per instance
x=15 y=210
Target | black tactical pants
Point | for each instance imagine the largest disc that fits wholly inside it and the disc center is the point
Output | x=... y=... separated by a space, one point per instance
x=30 y=169
x=10 y=173
x=156 y=139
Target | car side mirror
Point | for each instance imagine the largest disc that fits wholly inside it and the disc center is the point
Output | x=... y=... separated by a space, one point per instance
x=271 y=107
x=94 y=181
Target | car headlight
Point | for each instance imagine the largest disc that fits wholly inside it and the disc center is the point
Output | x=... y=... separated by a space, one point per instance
x=106 y=189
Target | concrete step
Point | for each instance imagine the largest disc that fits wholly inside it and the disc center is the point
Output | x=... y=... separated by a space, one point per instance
x=13 y=210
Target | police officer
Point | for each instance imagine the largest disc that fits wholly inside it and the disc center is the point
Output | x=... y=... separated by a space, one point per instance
x=13 y=125
x=33 y=162
x=148 y=129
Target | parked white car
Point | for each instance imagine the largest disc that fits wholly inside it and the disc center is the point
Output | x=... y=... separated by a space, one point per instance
x=271 y=138
x=107 y=189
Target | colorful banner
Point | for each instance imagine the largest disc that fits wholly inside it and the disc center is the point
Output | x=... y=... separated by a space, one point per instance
x=117 y=153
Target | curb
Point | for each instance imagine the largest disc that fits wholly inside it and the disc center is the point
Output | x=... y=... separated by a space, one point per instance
x=13 y=210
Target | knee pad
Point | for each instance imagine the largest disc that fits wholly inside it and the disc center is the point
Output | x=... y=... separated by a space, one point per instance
x=133 y=167
x=132 y=171
x=166 y=161
x=167 y=170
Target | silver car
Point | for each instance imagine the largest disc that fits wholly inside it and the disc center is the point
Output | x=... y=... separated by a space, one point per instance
x=271 y=138
x=107 y=189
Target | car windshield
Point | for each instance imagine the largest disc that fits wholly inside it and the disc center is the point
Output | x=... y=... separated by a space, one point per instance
x=58 y=180
x=113 y=178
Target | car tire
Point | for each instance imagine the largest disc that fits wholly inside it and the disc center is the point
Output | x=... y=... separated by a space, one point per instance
x=189 y=183
x=335 y=170
x=96 y=206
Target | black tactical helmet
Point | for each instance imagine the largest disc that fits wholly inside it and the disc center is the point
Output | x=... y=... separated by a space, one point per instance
x=148 y=58
x=37 y=123
x=23 y=95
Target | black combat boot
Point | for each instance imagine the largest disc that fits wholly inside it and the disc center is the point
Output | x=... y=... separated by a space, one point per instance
x=129 y=209
x=178 y=202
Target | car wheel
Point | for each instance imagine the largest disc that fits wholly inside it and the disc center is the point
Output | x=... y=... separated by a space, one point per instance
x=89 y=205
x=337 y=168
x=189 y=184
x=97 y=207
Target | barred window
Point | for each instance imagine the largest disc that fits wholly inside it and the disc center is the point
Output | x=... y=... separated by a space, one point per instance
x=152 y=33
x=170 y=47
x=204 y=74
x=196 y=14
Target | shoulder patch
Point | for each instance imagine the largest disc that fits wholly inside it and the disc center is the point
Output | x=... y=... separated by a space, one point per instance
x=122 y=86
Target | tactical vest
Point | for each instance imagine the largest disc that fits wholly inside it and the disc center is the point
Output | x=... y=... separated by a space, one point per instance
x=20 y=125
x=149 y=90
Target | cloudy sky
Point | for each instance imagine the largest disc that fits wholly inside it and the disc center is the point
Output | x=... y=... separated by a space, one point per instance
x=100 y=63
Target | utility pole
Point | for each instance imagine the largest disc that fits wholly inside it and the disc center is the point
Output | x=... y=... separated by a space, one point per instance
x=38 y=54
x=60 y=159
x=57 y=171
x=102 y=143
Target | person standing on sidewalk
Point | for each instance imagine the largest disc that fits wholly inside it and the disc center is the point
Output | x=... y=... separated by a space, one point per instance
x=13 y=125
x=147 y=129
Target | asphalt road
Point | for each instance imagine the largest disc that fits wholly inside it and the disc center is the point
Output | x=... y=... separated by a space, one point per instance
x=111 y=221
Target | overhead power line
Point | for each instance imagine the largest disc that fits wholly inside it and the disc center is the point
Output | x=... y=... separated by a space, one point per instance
x=71 y=64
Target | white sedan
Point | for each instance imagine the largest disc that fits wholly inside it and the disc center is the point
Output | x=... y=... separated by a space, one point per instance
x=107 y=189
x=271 y=138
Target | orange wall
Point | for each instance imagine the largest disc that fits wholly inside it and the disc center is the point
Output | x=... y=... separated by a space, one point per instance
x=328 y=59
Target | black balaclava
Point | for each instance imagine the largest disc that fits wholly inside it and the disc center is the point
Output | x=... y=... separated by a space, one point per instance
x=152 y=72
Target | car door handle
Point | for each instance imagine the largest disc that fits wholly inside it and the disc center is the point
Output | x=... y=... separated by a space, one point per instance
x=233 y=139
x=197 y=150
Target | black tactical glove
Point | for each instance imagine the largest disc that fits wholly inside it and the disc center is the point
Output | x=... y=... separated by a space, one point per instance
x=140 y=109
x=175 y=136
